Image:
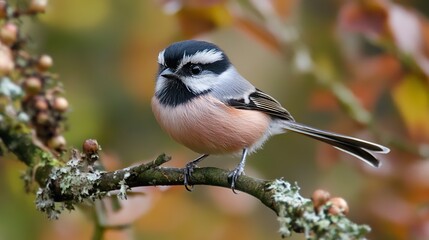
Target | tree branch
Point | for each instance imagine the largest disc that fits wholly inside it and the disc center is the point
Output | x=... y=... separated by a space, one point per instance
x=71 y=185
x=151 y=174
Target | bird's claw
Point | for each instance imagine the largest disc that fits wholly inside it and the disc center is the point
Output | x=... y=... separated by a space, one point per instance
x=233 y=177
x=187 y=171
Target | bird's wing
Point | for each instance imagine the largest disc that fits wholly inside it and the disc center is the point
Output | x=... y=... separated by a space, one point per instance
x=263 y=102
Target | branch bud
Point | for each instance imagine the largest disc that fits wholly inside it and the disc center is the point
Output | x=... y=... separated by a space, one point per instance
x=338 y=205
x=319 y=198
x=90 y=146
x=90 y=149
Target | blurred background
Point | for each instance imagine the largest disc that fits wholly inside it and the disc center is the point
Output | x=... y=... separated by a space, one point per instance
x=357 y=67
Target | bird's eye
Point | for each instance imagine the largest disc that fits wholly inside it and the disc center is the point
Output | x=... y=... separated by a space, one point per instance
x=196 y=69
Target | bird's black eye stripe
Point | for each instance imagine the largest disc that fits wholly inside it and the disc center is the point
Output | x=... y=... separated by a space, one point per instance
x=217 y=67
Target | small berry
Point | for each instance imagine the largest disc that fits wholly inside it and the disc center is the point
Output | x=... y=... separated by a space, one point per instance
x=3 y=9
x=9 y=33
x=45 y=62
x=57 y=142
x=42 y=118
x=6 y=63
x=338 y=205
x=32 y=85
x=60 y=104
x=41 y=104
x=38 y=6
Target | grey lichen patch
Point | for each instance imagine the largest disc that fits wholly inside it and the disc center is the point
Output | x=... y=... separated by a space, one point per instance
x=291 y=204
x=74 y=182
x=9 y=88
x=23 y=117
x=297 y=213
x=45 y=203
x=122 y=194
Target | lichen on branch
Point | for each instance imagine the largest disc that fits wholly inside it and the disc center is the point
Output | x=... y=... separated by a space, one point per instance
x=71 y=184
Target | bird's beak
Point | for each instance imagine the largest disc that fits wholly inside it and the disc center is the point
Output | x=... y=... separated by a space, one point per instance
x=168 y=74
x=171 y=76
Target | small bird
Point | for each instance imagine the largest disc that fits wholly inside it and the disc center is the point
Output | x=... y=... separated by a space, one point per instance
x=203 y=102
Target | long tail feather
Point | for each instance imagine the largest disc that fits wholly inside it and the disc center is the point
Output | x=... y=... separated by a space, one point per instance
x=357 y=147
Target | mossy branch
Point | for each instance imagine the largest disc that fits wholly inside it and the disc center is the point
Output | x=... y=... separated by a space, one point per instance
x=70 y=185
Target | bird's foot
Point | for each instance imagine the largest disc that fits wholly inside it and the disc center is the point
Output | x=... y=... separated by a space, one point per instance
x=187 y=171
x=233 y=176
x=189 y=168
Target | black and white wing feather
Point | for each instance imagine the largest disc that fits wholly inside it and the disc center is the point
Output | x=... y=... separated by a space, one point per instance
x=263 y=102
